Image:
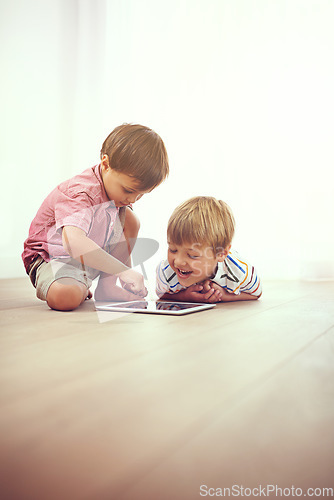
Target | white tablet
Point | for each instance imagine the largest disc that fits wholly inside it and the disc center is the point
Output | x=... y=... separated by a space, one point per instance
x=154 y=307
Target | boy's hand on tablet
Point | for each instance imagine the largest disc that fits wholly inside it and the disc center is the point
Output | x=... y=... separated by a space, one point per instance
x=133 y=282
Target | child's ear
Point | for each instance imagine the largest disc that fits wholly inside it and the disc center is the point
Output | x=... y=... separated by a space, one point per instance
x=221 y=256
x=105 y=162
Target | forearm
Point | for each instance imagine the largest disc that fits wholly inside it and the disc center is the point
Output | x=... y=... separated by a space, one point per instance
x=197 y=295
x=232 y=297
x=86 y=251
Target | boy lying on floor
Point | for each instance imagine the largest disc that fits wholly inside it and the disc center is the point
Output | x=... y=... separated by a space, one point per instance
x=201 y=266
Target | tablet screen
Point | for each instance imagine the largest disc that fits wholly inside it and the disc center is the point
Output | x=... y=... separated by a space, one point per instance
x=154 y=306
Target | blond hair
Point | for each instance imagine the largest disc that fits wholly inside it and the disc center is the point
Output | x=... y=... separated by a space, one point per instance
x=203 y=220
x=139 y=152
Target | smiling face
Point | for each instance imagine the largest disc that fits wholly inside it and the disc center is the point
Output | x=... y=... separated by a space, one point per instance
x=194 y=263
x=122 y=189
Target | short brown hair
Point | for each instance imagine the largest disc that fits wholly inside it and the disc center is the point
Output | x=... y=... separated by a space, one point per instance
x=139 y=152
x=204 y=220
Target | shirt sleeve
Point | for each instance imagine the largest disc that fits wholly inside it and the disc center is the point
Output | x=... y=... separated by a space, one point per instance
x=167 y=281
x=237 y=275
x=162 y=285
x=252 y=283
x=74 y=211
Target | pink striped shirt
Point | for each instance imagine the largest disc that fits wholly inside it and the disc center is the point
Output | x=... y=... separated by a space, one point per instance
x=81 y=202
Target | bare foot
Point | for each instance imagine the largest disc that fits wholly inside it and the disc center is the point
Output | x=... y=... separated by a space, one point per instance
x=114 y=293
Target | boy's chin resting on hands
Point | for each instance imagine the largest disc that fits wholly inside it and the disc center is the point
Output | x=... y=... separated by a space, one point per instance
x=207 y=291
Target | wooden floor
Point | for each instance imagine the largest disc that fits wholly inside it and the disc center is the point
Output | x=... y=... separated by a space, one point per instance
x=143 y=407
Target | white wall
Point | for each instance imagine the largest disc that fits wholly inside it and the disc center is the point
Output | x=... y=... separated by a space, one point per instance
x=241 y=93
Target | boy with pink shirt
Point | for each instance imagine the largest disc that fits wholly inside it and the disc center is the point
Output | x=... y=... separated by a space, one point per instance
x=77 y=233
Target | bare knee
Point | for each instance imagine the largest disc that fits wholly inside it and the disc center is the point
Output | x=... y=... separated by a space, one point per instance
x=131 y=225
x=65 y=297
